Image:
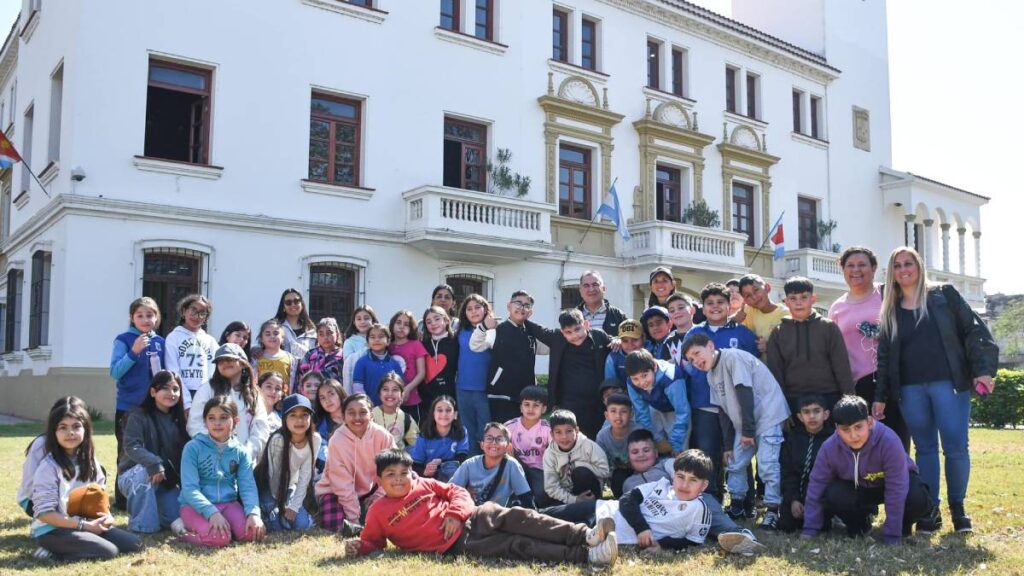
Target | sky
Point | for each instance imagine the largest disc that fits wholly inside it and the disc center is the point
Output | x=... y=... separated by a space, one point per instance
x=956 y=118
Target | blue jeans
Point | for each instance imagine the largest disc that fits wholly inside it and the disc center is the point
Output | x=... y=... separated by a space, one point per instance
x=934 y=411
x=475 y=413
x=767 y=447
x=706 y=435
x=276 y=522
x=150 y=507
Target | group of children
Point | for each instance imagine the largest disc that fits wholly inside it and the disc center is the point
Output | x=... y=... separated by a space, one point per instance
x=390 y=430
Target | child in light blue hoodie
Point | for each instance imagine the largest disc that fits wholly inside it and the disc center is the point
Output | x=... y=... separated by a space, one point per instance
x=658 y=392
x=217 y=472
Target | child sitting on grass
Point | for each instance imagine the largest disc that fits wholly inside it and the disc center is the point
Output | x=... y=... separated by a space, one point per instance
x=530 y=435
x=799 y=452
x=494 y=476
x=423 y=515
x=574 y=465
x=861 y=466
x=618 y=411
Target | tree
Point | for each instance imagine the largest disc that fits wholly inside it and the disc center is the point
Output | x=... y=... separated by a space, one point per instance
x=1008 y=330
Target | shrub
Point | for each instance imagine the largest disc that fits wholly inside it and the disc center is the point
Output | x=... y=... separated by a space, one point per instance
x=1005 y=405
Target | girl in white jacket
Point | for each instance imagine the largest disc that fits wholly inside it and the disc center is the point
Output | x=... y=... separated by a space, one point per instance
x=233 y=377
x=188 y=349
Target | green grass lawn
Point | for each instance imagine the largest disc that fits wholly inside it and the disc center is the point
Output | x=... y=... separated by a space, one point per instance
x=995 y=502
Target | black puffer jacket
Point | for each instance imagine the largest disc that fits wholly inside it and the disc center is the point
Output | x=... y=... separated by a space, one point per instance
x=967 y=345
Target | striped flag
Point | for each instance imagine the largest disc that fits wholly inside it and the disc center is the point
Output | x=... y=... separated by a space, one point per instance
x=8 y=155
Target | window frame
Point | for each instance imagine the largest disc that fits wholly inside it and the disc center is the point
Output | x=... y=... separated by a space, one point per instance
x=731 y=100
x=569 y=297
x=168 y=303
x=816 y=117
x=489 y=25
x=662 y=206
x=653 y=64
x=356 y=122
x=28 y=126
x=207 y=108
x=753 y=107
x=679 y=71
x=39 y=299
x=56 y=111
x=807 y=222
x=591 y=25
x=350 y=298
x=12 y=323
x=563 y=18
x=737 y=217
x=566 y=207
x=798 y=111
x=456 y=16
x=463 y=143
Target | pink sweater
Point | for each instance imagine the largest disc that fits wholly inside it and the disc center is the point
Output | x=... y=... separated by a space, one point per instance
x=350 y=469
x=863 y=351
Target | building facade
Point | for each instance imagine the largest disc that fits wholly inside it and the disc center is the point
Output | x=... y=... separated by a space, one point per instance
x=341 y=148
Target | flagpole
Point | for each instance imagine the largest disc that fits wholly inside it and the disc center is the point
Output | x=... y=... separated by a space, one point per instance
x=36 y=178
x=594 y=218
x=568 y=252
x=766 y=237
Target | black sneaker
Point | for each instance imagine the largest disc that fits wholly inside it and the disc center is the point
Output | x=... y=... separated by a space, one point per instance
x=770 y=520
x=749 y=511
x=961 y=521
x=735 y=511
x=931 y=522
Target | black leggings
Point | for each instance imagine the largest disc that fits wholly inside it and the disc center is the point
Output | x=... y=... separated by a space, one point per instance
x=71 y=545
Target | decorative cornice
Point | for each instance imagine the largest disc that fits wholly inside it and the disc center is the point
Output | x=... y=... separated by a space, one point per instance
x=579 y=111
x=729 y=34
x=487 y=46
x=177 y=168
x=357 y=192
x=747 y=155
x=341 y=7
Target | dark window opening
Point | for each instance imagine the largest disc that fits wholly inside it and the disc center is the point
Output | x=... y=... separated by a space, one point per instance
x=807 y=222
x=465 y=155
x=450 y=15
x=797 y=112
x=465 y=284
x=178 y=113
x=669 y=194
x=334 y=139
x=743 y=210
x=730 y=89
x=39 y=304
x=574 y=182
x=485 y=19
x=751 y=96
x=653 y=65
x=332 y=293
x=12 y=323
x=560 y=36
x=168 y=275
x=589 y=44
x=678 y=72
x=571 y=298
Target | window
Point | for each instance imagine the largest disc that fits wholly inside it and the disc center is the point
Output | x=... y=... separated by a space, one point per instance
x=669 y=194
x=485 y=19
x=366 y=3
x=574 y=182
x=798 y=110
x=807 y=222
x=743 y=210
x=168 y=275
x=332 y=292
x=815 y=117
x=465 y=155
x=752 y=91
x=464 y=285
x=730 y=89
x=178 y=113
x=56 y=96
x=653 y=64
x=589 y=36
x=571 y=298
x=450 y=14
x=26 y=149
x=10 y=113
x=5 y=204
x=39 y=305
x=12 y=324
x=560 y=36
x=334 y=135
x=3 y=322
x=678 y=71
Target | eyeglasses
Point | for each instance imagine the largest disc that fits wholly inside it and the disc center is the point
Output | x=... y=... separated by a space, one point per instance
x=198 y=313
x=523 y=305
x=292 y=302
x=495 y=440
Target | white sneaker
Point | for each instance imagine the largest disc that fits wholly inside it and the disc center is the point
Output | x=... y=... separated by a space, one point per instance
x=742 y=542
x=178 y=527
x=605 y=553
x=42 y=554
x=597 y=534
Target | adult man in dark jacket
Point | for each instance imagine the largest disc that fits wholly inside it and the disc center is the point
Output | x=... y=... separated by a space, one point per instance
x=596 y=309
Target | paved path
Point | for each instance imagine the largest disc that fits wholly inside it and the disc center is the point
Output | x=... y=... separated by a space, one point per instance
x=5 y=419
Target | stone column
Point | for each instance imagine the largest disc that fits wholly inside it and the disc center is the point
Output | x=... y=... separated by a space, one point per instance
x=977 y=254
x=963 y=251
x=911 y=232
x=945 y=246
x=928 y=244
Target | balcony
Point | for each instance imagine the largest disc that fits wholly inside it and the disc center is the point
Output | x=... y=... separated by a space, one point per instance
x=815 y=264
x=659 y=242
x=467 y=226
x=972 y=288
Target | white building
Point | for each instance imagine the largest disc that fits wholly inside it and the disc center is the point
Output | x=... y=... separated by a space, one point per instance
x=239 y=148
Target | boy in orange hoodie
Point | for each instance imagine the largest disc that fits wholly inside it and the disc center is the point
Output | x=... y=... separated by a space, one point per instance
x=423 y=515
x=348 y=484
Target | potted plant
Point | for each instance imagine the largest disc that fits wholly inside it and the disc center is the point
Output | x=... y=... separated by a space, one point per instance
x=700 y=214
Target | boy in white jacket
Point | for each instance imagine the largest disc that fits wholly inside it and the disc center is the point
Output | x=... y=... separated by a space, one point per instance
x=574 y=465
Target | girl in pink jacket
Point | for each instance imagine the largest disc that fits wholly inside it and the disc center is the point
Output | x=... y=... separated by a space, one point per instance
x=347 y=486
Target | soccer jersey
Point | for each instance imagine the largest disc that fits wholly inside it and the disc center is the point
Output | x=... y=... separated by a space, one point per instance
x=666 y=514
x=529 y=444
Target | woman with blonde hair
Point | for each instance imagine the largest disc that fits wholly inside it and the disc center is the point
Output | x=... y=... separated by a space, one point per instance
x=933 y=349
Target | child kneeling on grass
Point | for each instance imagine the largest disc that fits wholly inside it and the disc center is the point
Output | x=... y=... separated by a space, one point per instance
x=671 y=513
x=861 y=466
x=423 y=515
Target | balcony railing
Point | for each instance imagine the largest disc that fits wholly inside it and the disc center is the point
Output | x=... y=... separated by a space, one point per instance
x=691 y=245
x=814 y=264
x=972 y=288
x=439 y=218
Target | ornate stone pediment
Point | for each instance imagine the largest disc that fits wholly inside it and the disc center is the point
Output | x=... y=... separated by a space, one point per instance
x=673 y=114
x=579 y=89
x=746 y=137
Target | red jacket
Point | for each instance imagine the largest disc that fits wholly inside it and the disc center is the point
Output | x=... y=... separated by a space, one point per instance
x=413 y=523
